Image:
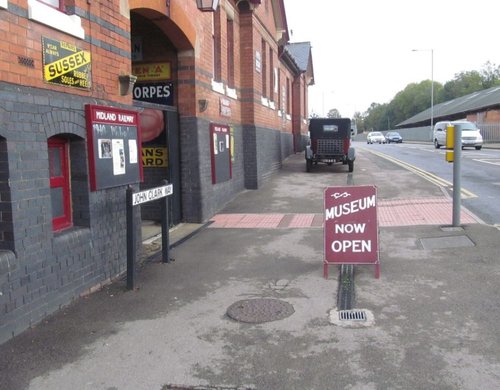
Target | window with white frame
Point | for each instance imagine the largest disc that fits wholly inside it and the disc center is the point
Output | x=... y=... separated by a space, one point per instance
x=54 y=4
x=50 y=13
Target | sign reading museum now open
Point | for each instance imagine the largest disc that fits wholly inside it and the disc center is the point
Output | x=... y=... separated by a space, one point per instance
x=351 y=226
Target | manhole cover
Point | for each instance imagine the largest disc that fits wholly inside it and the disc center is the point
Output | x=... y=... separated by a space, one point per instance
x=259 y=310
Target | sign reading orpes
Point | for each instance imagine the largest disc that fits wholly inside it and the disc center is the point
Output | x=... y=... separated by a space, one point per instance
x=66 y=64
x=351 y=226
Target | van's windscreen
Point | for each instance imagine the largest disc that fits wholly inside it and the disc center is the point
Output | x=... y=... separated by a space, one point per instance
x=331 y=128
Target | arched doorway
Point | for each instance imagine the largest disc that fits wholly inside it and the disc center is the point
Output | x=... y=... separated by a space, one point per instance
x=156 y=43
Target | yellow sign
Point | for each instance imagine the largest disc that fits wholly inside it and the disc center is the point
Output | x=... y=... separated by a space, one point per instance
x=450 y=143
x=152 y=71
x=66 y=64
x=154 y=157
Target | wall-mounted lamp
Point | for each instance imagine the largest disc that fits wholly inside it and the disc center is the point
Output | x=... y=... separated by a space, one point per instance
x=248 y=5
x=207 y=5
x=202 y=104
x=127 y=82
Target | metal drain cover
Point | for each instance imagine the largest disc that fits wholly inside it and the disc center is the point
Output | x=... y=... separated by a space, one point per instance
x=352 y=315
x=258 y=310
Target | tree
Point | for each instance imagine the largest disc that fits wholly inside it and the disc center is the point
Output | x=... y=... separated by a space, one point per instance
x=463 y=84
x=490 y=75
x=416 y=97
x=360 y=121
x=412 y=100
x=376 y=117
x=333 y=113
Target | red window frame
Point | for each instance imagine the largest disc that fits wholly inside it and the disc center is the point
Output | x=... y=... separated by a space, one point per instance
x=61 y=146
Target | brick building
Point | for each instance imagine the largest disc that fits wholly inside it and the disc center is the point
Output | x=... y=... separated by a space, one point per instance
x=97 y=96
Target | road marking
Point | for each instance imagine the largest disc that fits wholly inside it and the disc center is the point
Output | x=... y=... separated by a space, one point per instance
x=465 y=194
x=492 y=161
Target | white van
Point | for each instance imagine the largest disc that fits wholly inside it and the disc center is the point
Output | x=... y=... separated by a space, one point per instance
x=471 y=135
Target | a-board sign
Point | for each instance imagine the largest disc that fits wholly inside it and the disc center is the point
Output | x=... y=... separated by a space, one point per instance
x=152 y=194
x=114 y=146
x=351 y=226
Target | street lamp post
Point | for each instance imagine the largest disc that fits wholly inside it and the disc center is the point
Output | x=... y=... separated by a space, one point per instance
x=432 y=84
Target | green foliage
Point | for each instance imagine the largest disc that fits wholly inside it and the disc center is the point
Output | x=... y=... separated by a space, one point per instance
x=333 y=113
x=416 y=98
x=360 y=122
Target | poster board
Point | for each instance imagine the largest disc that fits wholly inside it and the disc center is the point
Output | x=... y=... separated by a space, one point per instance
x=220 y=153
x=114 y=147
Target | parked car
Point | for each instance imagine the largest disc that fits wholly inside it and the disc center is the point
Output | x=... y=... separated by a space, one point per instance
x=330 y=142
x=375 y=137
x=471 y=136
x=393 y=136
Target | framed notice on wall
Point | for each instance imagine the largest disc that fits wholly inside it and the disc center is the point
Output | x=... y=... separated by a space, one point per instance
x=220 y=152
x=66 y=64
x=114 y=147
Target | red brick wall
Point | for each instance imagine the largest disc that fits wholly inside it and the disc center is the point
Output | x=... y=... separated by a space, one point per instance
x=22 y=37
x=491 y=116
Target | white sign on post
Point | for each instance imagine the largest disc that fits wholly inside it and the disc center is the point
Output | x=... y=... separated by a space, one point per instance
x=152 y=194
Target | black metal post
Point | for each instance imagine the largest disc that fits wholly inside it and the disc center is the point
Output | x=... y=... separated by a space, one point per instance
x=131 y=240
x=165 y=244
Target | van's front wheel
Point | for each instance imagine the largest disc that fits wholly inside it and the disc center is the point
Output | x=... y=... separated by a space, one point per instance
x=351 y=166
x=436 y=144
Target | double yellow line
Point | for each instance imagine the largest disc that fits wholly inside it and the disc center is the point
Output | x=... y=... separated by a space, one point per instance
x=464 y=194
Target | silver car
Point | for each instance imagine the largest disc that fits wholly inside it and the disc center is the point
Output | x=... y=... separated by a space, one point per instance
x=471 y=136
x=375 y=137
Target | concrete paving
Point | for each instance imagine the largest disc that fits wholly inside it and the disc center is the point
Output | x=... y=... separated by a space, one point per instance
x=433 y=314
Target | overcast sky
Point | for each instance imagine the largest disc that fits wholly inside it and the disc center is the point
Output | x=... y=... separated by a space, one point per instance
x=362 y=49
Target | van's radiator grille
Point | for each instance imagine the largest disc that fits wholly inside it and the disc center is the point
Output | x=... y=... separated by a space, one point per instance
x=330 y=146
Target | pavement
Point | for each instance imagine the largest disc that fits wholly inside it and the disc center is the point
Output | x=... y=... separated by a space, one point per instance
x=245 y=304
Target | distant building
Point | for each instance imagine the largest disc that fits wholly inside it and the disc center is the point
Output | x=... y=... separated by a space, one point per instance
x=481 y=106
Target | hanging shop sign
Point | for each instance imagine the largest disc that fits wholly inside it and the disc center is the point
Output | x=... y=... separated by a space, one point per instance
x=159 y=92
x=351 y=226
x=66 y=64
x=152 y=71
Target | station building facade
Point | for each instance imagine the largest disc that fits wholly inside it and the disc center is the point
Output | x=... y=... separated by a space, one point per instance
x=100 y=96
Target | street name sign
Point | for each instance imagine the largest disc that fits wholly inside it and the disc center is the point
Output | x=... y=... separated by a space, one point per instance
x=152 y=194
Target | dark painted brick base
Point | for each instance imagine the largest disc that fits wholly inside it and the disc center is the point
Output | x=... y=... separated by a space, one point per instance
x=41 y=271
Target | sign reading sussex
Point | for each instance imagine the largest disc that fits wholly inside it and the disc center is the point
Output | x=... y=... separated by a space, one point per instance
x=66 y=64
x=351 y=226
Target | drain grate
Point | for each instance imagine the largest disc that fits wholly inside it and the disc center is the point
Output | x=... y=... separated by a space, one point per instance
x=352 y=315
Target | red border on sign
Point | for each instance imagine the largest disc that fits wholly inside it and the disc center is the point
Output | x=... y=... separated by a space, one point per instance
x=129 y=118
x=350 y=226
x=226 y=130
